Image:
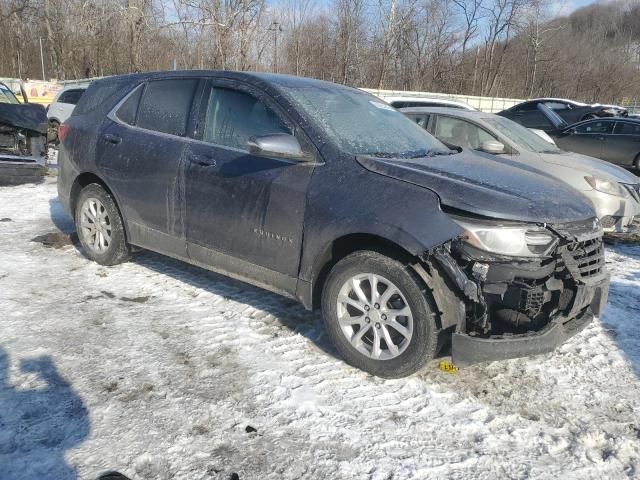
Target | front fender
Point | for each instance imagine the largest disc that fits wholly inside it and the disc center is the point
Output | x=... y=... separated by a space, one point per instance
x=367 y=203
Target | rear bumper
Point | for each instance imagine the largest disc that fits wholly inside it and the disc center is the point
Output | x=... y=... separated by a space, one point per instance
x=468 y=350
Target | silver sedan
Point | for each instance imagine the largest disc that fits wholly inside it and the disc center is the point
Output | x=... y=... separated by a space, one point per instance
x=614 y=191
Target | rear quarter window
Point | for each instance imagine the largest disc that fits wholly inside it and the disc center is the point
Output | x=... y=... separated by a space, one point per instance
x=128 y=110
x=101 y=96
x=166 y=104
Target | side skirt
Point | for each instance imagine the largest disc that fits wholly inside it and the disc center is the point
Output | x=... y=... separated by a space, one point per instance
x=213 y=260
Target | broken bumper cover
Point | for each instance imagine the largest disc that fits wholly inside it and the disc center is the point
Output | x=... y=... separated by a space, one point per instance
x=467 y=349
x=16 y=172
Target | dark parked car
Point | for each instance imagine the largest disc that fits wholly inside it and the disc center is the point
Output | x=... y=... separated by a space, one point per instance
x=23 y=139
x=616 y=140
x=326 y=194
x=528 y=114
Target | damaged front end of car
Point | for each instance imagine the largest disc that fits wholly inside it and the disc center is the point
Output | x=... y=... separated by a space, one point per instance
x=522 y=289
x=23 y=141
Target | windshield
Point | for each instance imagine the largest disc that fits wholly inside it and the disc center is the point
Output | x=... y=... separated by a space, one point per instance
x=521 y=136
x=6 y=95
x=364 y=125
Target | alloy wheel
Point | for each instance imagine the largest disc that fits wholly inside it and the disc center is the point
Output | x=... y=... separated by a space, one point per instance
x=375 y=316
x=95 y=225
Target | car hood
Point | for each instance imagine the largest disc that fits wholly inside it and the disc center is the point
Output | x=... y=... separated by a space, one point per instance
x=488 y=186
x=590 y=166
x=25 y=115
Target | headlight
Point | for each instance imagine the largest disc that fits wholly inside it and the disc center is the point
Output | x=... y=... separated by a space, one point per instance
x=610 y=111
x=606 y=186
x=515 y=240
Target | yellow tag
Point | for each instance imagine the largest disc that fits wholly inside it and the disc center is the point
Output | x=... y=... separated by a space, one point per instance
x=448 y=367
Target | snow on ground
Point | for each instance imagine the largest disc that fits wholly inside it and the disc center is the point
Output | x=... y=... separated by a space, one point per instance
x=159 y=369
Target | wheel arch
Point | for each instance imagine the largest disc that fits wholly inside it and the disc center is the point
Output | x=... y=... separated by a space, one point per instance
x=87 y=178
x=345 y=245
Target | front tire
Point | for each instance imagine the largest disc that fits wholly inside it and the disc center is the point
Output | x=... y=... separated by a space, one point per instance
x=379 y=315
x=99 y=226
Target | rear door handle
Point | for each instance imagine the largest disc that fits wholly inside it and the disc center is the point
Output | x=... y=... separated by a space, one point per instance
x=203 y=160
x=111 y=138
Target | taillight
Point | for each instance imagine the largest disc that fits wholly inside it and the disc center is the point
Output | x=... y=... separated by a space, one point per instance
x=62 y=131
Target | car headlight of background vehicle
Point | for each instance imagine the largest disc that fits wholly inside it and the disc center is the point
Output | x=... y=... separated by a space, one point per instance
x=606 y=186
x=611 y=111
x=514 y=240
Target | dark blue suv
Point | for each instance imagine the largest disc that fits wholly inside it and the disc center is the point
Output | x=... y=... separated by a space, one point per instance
x=328 y=195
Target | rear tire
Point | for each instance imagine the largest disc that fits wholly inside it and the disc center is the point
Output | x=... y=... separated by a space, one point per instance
x=100 y=227
x=360 y=326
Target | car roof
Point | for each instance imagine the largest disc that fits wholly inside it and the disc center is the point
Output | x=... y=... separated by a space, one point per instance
x=394 y=98
x=563 y=100
x=456 y=112
x=635 y=121
x=273 y=79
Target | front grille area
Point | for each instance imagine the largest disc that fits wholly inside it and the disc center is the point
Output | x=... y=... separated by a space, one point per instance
x=609 y=221
x=7 y=141
x=532 y=301
x=584 y=259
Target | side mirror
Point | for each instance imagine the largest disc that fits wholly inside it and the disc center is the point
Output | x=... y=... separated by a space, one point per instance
x=278 y=145
x=492 y=146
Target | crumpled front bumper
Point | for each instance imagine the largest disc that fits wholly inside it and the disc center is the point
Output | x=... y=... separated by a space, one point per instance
x=590 y=300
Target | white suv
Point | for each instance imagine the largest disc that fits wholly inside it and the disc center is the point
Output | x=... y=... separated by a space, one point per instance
x=62 y=107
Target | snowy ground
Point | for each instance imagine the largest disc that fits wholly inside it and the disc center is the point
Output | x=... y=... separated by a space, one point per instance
x=161 y=370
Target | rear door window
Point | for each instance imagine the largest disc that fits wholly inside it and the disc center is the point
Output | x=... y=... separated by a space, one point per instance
x=421 y=119
x=232 y=117
x=71 y=96
x=165 y=106
x=624 y=128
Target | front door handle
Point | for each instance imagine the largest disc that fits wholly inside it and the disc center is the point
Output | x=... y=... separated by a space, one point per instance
x=203 y=160
x=111 y=138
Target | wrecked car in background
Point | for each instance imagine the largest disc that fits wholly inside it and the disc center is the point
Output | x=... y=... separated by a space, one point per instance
x=23 y=139
x=326 y=194
x=528 y=114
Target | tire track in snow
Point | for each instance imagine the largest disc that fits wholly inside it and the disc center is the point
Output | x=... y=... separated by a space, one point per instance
x=172 y=382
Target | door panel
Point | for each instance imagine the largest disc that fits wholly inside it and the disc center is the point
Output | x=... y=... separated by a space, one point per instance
x=588 y=138
x=146 y=167
x=239 y=204
x=623 y=145
x=590 y=145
